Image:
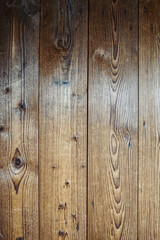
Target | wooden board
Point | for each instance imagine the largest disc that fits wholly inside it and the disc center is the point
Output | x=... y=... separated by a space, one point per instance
x=149 y=120
x=5 y=192
x=113 y=119
x=19 y=26
x=63 y=119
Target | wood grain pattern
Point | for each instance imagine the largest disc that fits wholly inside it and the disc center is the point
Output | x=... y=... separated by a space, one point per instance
x=63 y=119
x=5 y=184
x=19 y=120
x=79 y=141
x=149 y=120
x=113 y=119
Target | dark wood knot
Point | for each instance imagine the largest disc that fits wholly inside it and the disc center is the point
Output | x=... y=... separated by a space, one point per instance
x=18 y=162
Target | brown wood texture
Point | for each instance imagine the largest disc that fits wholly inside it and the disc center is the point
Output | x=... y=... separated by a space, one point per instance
x=19 y=47
x=149 y=120
x=79 y=119
x=63 y=119
x=113 y=119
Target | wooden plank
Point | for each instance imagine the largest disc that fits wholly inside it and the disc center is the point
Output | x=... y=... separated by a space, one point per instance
x=5 y=195
x=19 y=120
x=149 y=120
x=63 y=119
x=113 y=119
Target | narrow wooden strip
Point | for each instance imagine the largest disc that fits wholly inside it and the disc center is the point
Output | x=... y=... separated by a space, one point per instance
x=20 y=118
x=113 y=119
x=149 y=120
x=5 y=183
x=63 y=119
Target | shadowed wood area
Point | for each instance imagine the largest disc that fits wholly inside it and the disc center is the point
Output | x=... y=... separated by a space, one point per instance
x=63 y=120
x=113 y=120
x=19 y=26
x=149 y=120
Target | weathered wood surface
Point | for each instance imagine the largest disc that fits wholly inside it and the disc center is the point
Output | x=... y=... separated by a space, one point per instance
x=113 y=119
x=149 y=120
x=19 y=47
x=63 y=120
x=79 y=119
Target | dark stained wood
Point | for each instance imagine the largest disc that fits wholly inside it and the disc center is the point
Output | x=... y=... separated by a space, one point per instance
x=63 y=119
x=113 y=119
x=19 y=54
x=149 y=120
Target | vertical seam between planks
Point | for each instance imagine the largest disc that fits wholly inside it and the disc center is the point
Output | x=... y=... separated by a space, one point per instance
x=11 y=125
x=87 y=234
x=9 y=234
x=39 y=122
x=138 y=136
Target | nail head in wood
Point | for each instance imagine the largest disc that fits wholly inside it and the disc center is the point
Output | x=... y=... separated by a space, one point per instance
x=76 y=138
x=67 y=182
x=22 y=106
x=144 y=123
x=53 y=166
x=60 y=205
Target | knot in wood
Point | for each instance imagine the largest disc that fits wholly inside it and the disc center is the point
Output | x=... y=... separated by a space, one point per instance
x=17 y=160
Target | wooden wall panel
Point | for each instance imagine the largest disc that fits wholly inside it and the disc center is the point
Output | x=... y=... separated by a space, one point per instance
x=19 y=54
x=79 y=142
x=113 y=119
x=149 y=120
x=63 y=119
